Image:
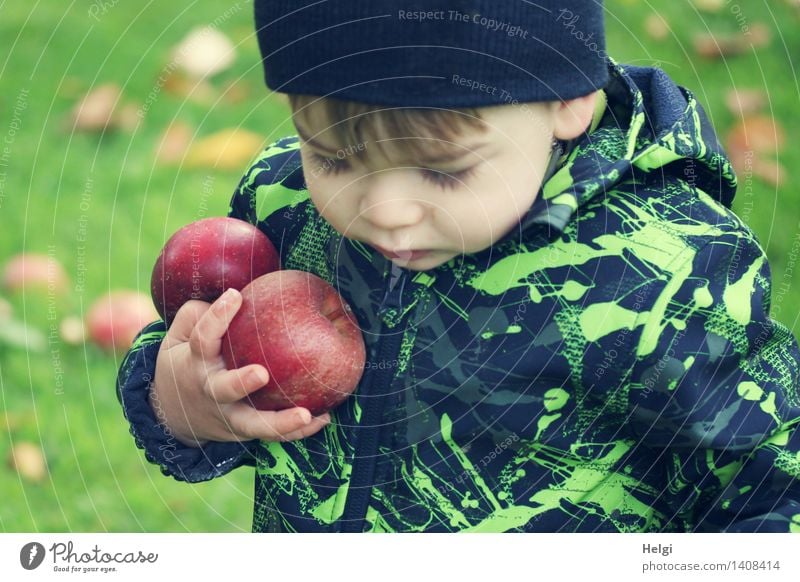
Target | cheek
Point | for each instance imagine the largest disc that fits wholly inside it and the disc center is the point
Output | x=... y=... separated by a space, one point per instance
x=501 y=206
x=332 y=204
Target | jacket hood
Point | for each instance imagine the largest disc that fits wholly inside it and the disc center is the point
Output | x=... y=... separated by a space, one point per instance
x=644 y=123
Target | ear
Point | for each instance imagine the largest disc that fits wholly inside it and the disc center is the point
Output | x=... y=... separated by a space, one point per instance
x=571 y=118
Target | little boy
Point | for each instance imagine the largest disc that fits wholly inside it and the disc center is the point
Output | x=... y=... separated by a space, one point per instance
x=567 y=329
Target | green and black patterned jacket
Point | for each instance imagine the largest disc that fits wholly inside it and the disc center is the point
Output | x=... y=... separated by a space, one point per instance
x=609 y=367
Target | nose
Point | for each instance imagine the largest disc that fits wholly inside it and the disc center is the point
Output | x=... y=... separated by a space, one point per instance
x=390 y=211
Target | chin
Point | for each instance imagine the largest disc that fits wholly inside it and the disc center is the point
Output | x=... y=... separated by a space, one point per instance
x=431 y=261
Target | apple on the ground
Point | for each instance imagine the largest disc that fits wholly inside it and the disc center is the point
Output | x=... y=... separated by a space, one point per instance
x=115 y=318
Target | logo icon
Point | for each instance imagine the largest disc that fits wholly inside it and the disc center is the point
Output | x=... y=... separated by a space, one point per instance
x=31 y=555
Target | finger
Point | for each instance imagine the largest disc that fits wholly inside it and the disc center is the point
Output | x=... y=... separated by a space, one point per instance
x=227 y=386
x=249 y=423
x=317 y=423
x=185 y=321
x=205 y=340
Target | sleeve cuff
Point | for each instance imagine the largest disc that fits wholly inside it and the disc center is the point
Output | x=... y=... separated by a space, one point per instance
x=175 y=459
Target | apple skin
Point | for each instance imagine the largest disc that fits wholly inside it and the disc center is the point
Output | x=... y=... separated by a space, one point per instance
x=301 y=330
x=114 y=320
x=207 y=257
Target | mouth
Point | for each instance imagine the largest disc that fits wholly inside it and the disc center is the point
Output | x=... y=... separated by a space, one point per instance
x=403 y=255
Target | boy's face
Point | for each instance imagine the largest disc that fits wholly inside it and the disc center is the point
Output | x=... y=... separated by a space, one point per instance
x=420 y=213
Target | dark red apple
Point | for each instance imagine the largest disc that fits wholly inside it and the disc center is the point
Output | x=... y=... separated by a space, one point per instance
x=301 y=330
x=206 y=257
x=115 y=318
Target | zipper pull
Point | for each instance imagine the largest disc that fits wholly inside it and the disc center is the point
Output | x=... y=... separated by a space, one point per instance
x=392 y=303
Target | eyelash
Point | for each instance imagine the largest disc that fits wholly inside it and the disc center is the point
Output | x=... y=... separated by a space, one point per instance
x=443 y=180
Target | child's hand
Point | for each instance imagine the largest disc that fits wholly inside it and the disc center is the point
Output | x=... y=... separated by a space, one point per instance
x=199 y=400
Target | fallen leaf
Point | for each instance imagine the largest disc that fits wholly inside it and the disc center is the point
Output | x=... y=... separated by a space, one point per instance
x=72 y=330
x=128 y=117
x=5 y=310
x=95 y=111
x=712 y=46
x=741 y=102
x=174 y=142
x=751 y=142
x=236 y=92
x=769 y=171
x=760 y=35
x=198 y=91
x=27 y=459
x=229 y=149
x=759 y=134
x=656 y=27
x=709 y=5
x=12 y=421
x=71 y=87
x=204 y=52
x=16 y=334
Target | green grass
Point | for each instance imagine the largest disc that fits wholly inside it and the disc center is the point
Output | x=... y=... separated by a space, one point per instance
x=58 y=188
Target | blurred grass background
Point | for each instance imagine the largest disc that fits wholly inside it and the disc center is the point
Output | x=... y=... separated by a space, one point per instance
x=102 y=206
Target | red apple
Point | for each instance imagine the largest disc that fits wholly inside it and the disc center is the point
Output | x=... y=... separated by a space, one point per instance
x=205 y=258
x=114 y=320
x=33 y=270
x=301 y=330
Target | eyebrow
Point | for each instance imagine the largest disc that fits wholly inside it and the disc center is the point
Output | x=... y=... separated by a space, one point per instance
x=452 y=156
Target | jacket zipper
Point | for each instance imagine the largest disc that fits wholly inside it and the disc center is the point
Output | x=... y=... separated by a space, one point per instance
x=359 y=491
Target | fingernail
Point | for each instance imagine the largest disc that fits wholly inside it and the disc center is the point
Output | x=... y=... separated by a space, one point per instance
x=304 y=416
x=326 y=418
x=229 y=295
x=224 y=300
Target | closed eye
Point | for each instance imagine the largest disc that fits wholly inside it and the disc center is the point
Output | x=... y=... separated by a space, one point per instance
x=327 y=165
x=442 y=179
x=448 y=180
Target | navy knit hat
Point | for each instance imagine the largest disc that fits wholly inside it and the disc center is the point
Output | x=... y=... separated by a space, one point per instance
x=433 y=53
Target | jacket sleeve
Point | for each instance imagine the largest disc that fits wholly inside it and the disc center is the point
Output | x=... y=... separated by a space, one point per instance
x=278 y=167
x=715 y=390
x=175 y=459
x=139 y=364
